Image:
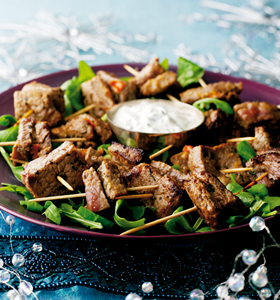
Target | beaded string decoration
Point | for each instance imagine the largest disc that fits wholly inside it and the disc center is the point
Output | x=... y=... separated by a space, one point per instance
x=24 y=288
x=232 y=288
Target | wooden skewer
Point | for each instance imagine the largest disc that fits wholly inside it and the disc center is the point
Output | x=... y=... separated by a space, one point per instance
x=184 y=212
x=131 y=70
x=252 y=183
x=84 y=194
x=236 y=170
x=160 y=152
x=24 y=116
x=202 y=82
x=11 y=143
x=65 y=183
x=138 y=196
x=172 y=98
x=240 y=139
x=18 y=161
x=81 y=111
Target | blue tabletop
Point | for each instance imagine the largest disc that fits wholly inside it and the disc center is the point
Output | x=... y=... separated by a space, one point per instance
x=216 y=36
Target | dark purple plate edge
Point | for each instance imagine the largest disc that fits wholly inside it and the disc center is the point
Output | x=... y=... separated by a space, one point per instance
x=208 y=77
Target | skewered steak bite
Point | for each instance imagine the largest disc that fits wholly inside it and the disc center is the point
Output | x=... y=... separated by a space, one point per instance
x=263 y=140
x=217 y=127
x=158 y=84
x=212 y=159
x=213 y=201
x=251 y=114
x=96 y=199
x=122 y=91
x=33 y=140
x=46 y=102
x=227 y=91
x=95 y=91
x=151 y=70
x=84 y=126
x=165 y=169
x=67 y=161
x=267 y=161
x=166 y=197
x=111 y=178
x=125 y=155
x=181 y=159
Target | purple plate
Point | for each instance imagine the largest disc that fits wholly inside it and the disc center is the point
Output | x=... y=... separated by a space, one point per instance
x=9 y=202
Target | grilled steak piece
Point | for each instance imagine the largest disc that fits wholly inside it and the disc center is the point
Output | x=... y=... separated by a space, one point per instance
x=151 y=70
x=166 y=197
x=214 y=159
x=165 y=169
x=263 y=140
x=267 y=161
x=112 y=180
x=218 y=127
x=222 y=90
x=181 y=159
x=213 y=201
x=67 y=161
x=84 y=126
x=125 y=155
x=158 y=84
x=122 y=91
x=96 y=199
x=33 y=140
x=251 y=114
x=95 y=91
x=46 y=102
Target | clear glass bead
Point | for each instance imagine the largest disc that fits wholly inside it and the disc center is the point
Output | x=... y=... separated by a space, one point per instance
x=20 y=297
x=259 y=279
x=249 y=257
x=266 y=293
x=132 y=296
x=10 y=220
x=222 y=291
x=37 y=247
x=12 y=294
x=236 y=282
x=257 y=224
x=147 y=287
x=25 y=288
x=18 y=260
x=262 y=269
x=4 y=276
x=1 y=262
x=197 y=295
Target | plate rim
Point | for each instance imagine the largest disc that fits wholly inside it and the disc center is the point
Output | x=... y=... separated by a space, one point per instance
x=96 y=234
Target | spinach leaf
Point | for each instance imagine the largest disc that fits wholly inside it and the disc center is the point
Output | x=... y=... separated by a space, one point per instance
x=123 y=222
x=245 y=150
x=68 y=211
x=246 y=198
x=259 y=190
x=172 y=225
x=53 y=213
x=234 y=187
x=68 y=106
x=7 y=120
x=176 y=167
x=8 y=135
x=33 y=206
x=188 y=72
x=125 y=78
x=165 y=64
x=273 y=201
x=72 y=87
x=204 y=104
x=204 y=229
x=104 y=118
x=16 y=170
x=104 y=147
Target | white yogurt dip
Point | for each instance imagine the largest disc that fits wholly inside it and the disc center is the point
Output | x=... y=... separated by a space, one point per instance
x=157 y=116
